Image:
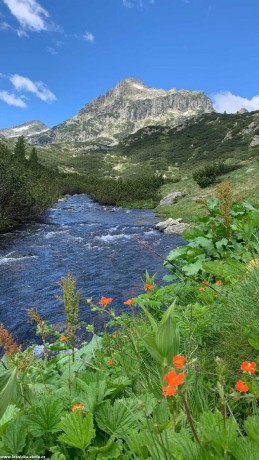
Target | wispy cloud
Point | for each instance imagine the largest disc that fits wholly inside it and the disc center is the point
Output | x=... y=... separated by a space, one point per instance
x=89 y=37
x=231 y=103
x=137 y=3
x=4 y=26
x=39 y=89
x=31 y=16
x=11 y=99
x=52 y=51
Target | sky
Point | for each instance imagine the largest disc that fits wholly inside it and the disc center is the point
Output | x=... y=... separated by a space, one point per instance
x=57 y=55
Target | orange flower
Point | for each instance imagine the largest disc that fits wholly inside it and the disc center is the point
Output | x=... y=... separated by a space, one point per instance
x=78 y=406
x=248 y=367
x=202 y=288
x=63 y=338
x=218 y=282
x=149 y=286
x=105 y=301
x=206 y=282
x=179 y=361
x=173 y=379
x=129 y=301
x=241 y=386
x=168 y=391
x=114 y=335
x=110 y=362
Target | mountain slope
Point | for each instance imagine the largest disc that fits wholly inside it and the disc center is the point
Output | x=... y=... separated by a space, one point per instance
x=26 y=129
x=123 y=110
x=209 y=137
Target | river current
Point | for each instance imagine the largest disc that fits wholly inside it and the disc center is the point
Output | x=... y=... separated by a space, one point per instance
x=96 y=243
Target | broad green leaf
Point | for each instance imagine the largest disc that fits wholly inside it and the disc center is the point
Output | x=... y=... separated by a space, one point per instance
x=15 y=437
x=245 y=449
x=46 y=416
x=192 y=269
x=86 y=353
x=251 y=426
x=181 y=444
x=111 y=450
x=118 y=419
x=10 y=414
x=212 y=204
x=92 y=394
x=8 y=388
x=213 y=431
x=151 y=346
x=78 y=429
x=167 y=337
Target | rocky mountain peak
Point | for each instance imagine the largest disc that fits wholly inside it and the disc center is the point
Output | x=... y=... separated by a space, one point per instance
x=27 y=129
x=123 y=110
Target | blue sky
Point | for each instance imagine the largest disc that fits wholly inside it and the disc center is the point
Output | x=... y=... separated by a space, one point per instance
x=56 y=55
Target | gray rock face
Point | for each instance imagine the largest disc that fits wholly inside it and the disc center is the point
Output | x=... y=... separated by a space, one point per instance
x=171 y=226
x=172 y=198
x=129 y=106
x=27 y=129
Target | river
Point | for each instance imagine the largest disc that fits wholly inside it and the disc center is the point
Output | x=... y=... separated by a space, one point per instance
x=96 y=243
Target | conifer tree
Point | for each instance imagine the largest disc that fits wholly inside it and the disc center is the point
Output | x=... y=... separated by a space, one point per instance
x=34 y=156
x=19 y=149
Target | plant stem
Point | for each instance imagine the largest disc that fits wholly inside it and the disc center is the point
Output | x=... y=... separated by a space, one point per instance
x=188 y=413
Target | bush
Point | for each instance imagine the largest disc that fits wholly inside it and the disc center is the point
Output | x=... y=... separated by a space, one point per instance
x=207 y=175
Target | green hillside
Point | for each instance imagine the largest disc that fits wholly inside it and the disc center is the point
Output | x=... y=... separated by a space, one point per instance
x=209 y=137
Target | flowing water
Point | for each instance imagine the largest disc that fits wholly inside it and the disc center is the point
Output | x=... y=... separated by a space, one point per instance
x=96 y=243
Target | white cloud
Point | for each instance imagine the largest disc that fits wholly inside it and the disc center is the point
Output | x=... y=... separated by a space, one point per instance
x=39 y=89
x=51 y=50
x=89 y=37
x=11 y=99
x=226 y=101
x=4 y=26
x=127 y=3
x=30 y=15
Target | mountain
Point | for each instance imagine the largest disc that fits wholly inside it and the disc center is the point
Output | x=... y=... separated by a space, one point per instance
x=27 y=129
x=123 y=110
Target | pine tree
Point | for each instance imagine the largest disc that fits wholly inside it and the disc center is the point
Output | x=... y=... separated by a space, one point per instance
x=19 y=149
x=33 y=156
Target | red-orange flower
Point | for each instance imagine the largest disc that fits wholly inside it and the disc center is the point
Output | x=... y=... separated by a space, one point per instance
x=202 y=288
x=78 y=406
x=168 y=391
x=241 y=386
x=179 y=361
x=105 y=301
x=110 y=362
x=149 y=286
x=173 y=379
x=63 y=338
x=218 y=282
x=248 y=367
x=129 y=301
x=206 y=282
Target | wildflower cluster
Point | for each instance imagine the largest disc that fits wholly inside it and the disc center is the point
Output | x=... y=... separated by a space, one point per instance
x=172 y=378
x=248 y=368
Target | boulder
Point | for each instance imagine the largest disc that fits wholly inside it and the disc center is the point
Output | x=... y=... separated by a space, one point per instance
x=172 y=198
x=171 y=226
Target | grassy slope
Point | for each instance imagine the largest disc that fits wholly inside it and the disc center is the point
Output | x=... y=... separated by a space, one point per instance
x=207 y=138
x=245 y=182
